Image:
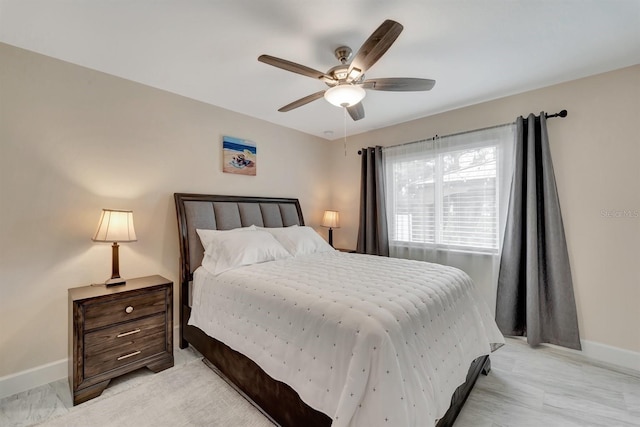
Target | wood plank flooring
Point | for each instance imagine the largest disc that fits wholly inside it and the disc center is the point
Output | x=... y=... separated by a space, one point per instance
x=547 y=387
x=526 y=387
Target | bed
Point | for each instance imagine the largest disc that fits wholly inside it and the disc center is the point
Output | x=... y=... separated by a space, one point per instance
x=359 y=342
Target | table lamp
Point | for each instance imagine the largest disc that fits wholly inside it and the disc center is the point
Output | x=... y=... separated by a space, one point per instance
x=331 y=219
x=115 y=226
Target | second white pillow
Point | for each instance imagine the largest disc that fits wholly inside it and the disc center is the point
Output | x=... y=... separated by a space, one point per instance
x=300 y=240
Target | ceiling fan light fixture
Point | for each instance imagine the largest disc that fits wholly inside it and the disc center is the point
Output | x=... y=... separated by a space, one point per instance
x=344 y=95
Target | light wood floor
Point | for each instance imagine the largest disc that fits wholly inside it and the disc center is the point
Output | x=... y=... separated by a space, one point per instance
x=527 y=387
x=550 y=387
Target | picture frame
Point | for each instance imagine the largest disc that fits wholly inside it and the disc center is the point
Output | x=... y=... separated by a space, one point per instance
x=239 y=156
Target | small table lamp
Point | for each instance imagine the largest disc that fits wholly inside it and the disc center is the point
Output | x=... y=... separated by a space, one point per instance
x=115 y=226
x=331 y=219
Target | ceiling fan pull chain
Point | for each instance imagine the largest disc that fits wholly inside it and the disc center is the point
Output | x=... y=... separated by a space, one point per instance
x=345 y=130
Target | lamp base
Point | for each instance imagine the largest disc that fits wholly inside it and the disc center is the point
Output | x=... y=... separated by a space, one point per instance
x=115 y=281
x=111 y=282
x=115 y=268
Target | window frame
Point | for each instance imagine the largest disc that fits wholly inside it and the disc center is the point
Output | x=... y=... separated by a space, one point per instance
x=438 y=182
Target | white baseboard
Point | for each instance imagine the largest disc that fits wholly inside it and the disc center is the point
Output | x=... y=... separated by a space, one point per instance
x=32 y=378
x=597 y=352
x=45 y=374
x=54 y=371
x=611 y=355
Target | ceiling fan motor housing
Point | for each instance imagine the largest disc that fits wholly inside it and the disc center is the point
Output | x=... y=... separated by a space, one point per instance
x=339 y=73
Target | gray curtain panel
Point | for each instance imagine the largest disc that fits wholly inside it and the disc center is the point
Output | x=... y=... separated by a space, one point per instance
x=535 y=290
x=372 y=232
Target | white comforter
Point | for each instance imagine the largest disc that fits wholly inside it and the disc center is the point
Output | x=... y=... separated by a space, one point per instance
x=369 y=341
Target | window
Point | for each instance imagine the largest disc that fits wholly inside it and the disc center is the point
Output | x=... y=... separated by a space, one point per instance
x=446 y=193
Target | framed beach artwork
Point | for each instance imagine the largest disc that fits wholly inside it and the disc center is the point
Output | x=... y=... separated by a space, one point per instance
x=240 y=156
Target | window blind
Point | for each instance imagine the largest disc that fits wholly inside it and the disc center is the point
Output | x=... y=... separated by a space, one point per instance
x=445 y=192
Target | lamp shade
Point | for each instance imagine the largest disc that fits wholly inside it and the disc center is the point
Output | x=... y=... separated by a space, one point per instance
x=331 y=219
x=115 y=226
x=344 y=95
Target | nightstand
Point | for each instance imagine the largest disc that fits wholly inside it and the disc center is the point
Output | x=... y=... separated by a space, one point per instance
x=351 y=251
x=116 y=330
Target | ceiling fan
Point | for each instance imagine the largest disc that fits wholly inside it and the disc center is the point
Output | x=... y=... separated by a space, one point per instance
x=346 y=81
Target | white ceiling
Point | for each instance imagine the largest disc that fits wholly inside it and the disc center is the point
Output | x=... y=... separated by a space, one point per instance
x=476 y=50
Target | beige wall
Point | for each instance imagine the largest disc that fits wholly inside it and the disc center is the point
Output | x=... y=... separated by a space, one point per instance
x=74 y=141
x=596 y=155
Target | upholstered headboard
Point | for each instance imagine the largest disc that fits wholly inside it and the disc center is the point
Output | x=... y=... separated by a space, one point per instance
x=215 y=212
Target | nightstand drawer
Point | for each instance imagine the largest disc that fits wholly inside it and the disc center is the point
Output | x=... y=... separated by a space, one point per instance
x=124 y=353
x=124 y=309
x=123 y=335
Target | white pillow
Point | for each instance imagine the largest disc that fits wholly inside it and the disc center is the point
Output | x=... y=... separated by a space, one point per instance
x=235 y=249
x=300 y=240
x=207 y=236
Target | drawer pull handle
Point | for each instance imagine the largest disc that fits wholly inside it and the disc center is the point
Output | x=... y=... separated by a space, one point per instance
x=128 y=309
x=124 y=334
x=129 y=355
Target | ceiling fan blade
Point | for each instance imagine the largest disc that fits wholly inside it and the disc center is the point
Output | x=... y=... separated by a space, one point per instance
x=376 y=45
x=302 y=101
x=293 y=67
x=356 y=111
x=399 y=84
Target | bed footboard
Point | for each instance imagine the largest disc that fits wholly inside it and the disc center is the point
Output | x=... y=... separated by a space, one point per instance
x=481 y=364
x=275 y=399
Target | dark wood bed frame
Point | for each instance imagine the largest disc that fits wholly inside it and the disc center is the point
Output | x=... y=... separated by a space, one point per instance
x=275 y=399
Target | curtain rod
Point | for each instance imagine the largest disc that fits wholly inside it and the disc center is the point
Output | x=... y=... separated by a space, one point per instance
x=562 y=113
